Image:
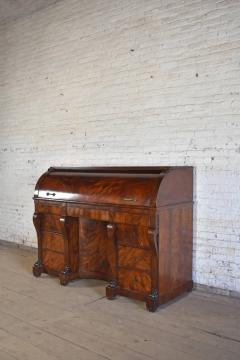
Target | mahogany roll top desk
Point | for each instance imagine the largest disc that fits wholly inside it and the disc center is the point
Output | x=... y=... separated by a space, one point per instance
x=130 y=226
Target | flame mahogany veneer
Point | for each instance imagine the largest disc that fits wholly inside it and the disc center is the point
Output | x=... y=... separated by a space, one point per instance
x=130 y=226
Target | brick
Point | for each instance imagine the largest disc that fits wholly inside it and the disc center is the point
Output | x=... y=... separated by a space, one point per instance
x=126 y=83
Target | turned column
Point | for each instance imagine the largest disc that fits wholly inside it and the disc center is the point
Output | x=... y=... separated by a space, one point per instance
x=111 y=289
x=64 y=275
x=38 y=267
x=152 y=301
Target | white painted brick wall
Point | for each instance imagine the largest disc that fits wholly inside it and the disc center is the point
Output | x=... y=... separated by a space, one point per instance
x=127 y=82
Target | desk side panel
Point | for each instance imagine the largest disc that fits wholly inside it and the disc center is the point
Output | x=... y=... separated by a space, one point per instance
x=176 y=187
x=175 y=251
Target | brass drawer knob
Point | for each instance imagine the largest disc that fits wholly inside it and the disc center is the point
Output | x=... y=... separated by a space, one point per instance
x=129 y=199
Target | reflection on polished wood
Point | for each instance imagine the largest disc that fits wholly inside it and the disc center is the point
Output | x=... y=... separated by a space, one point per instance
x=131 y=226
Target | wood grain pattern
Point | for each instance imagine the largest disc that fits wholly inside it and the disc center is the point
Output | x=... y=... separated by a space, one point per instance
x=93 y=246
x=95 y=214
x=175 y=265
x=53 y=260
x=52 y=241
x=134 y=258
x=73 y=230
x=130 y=226
x=134 y=280
x=52 y=207
x=51 y=223
x=132 y=219
x=121 y=189
x=136 y=236
x=38 y=267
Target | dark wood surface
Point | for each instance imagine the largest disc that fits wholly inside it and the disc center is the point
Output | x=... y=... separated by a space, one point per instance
x=129 y=226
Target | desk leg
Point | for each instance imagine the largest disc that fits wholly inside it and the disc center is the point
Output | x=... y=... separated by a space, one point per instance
x=64 y=275
x=152 y=301
x=111 y=289
x=38 y=267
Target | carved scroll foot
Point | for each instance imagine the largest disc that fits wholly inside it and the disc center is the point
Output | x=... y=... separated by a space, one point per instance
x=111 y=290
x=152 y=301
x=37 y=268
x=64 y=276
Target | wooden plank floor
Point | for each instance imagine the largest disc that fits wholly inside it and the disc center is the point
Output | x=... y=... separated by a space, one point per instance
x=39 y=319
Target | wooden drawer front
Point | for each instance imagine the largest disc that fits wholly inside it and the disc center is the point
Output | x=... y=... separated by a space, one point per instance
x=134 y=280
x=94 y=214
x=134 y=258
x=50 y=207
x=51 y=222
x=133 y=219
x=52 y=241
x=133 y=235
x=53 y=260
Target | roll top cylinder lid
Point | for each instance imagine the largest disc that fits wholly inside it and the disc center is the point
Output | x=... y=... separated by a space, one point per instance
x=136 y=188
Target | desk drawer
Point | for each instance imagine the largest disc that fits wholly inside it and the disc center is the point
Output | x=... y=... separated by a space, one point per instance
x=134 y=258
x=94 y=214
x=53 y=260
x=131 y=219
x=52 y=241
x=50 y=207
x=131 y=235
x=50 y=222
x=134 y=280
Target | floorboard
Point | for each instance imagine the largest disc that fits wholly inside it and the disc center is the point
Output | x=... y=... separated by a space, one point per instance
x=39 y=319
